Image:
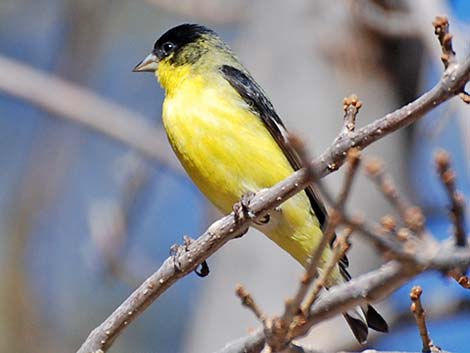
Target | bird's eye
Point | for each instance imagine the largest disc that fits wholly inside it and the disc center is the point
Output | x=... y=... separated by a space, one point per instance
x=168 y=47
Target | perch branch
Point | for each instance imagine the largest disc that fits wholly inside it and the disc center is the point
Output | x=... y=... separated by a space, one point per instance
x=340 y=298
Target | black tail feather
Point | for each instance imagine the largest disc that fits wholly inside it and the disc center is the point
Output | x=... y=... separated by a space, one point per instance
x=375 y=321
x=358 y=328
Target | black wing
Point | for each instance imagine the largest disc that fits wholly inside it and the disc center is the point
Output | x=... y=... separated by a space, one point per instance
x=252 y=93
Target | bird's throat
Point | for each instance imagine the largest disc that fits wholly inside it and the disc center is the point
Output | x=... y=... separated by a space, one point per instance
x=171 y=77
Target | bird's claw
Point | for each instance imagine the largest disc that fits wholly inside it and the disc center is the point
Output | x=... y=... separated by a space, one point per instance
x=204 y=270
x=176 y=250
x=242 y=208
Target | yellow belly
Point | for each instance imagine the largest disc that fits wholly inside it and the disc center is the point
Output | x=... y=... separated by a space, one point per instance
x=227 y=151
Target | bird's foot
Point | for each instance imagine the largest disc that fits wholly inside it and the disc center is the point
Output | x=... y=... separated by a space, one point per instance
x=242 y=209
x=177 y=250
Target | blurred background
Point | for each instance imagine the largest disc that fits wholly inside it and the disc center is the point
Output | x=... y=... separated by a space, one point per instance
x=92 y=198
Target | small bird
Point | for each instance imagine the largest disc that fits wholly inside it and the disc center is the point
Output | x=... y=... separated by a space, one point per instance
x=231 y=142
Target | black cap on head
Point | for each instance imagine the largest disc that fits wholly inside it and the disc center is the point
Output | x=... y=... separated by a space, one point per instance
x=177 y=37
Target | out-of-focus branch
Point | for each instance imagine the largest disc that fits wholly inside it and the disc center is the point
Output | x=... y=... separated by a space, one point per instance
x=384 y=21
x=78 y=105
x=110 y=218
x=340 y=248
x=295 y=348
x=413 y=217
x=253 y=343
x=222 y=12
x=248 y=301
x=457 y=209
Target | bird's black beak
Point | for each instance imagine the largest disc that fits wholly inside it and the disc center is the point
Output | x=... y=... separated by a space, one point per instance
x=149 y=64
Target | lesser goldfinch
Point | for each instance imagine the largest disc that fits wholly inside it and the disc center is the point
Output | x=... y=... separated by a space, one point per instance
x=231 y=142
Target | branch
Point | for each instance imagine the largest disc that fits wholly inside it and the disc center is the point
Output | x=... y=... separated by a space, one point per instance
x=450 y=85
x=340 y=248
x=371 y=287
x=253 y=343
x=441 y=30
x=68 y=101
x=277 y=330
x=248 y=301
x=457 y=209
x=388 y=278
x=413 y=217
x=351 y=107
x=418 y=312
x=378 y=284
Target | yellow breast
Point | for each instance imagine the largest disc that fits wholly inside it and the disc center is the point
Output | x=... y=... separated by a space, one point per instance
x=227 y=151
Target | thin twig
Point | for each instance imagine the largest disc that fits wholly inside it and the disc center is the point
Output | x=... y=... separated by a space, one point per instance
x=462 y=280
x=420 y=317
x=412 y=216
x=248 y=301
x=441 y=29
x=375 y=171
x=351 y=106
x=448 y=57
x=384 y=241
x=354 y=160
x=457 y=209
x=339 y=251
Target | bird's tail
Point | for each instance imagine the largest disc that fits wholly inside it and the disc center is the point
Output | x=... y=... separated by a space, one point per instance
x=361 y=319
